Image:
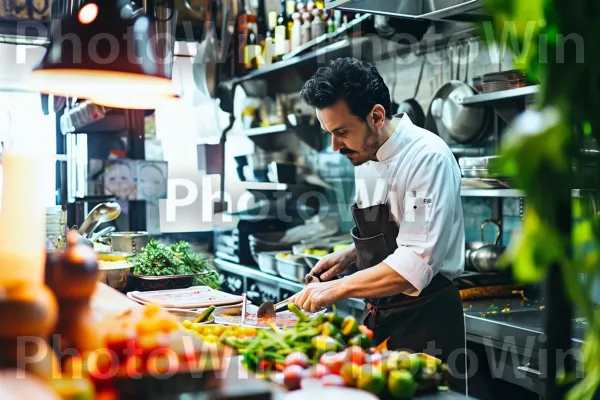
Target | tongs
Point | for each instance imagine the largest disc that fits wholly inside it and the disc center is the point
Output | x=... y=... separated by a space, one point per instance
x=268 y=309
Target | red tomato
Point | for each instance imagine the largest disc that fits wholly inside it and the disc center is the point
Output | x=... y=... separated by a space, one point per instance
x=366 y=331
x=333 y=380
x=292 y=376
x=317 y=371
x=264 y=365
x=333 y=361
x=296 y=358
x=356 y=355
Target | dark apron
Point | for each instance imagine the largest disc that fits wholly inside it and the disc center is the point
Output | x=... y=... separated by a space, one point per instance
x=432 y=322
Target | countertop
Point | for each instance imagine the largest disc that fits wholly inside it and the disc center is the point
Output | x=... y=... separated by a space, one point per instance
x=494 y=322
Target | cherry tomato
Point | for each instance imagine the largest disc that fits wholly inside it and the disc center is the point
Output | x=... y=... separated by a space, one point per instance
x=356 y=355
x=296 y=358
x=333 y=361
x=366 y=331
x=292 y=376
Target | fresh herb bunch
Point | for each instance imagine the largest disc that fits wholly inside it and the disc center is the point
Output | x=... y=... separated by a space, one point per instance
x=157 y=259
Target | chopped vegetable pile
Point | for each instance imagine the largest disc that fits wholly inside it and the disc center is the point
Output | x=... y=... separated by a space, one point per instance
x=156 y=259
x=312 y=336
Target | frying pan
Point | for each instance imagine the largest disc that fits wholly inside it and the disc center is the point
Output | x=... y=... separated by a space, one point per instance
x=208 y=54
x=452 y=121
x=411 y=107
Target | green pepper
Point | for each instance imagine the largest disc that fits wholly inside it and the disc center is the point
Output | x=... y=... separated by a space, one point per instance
x=349 y=326
x=325 y=343
x=334 y=319
x=329 y=329
x=296 y=310
x=360 y=340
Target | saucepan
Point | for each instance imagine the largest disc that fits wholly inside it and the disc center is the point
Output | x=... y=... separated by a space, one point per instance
x=483 y=256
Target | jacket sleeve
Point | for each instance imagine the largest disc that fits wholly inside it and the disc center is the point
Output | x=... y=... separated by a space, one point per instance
x=429 y=204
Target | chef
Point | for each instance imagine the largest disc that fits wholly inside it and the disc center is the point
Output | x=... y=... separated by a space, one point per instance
x=409 y=231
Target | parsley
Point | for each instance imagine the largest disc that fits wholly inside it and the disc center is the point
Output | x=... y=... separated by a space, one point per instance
x=156 y=259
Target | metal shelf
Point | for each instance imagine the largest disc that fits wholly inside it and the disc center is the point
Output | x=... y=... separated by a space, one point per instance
x=504 y=193
x=491 y=193
x=267 y=130
x=502 y=95
x=265 y=186
x=461 y=10
x=314 y=56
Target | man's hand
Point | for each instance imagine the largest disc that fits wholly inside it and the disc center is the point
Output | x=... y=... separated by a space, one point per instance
x=335 y=263
x=317 y=296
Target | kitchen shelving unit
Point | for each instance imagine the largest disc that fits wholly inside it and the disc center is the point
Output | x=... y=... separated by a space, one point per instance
x=493 y=98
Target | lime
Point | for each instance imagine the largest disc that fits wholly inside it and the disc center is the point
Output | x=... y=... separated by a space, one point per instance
x=416 y=364
x=371 y=379
x=334 y=319
x=360 y=340
x=401 y=384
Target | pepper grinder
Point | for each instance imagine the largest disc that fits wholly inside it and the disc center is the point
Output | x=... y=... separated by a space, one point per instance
x=306 y=28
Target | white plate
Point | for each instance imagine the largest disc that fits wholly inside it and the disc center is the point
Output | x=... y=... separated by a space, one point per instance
x=330 y=393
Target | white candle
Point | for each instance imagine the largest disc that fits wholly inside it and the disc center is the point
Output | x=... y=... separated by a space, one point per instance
x=22 y=218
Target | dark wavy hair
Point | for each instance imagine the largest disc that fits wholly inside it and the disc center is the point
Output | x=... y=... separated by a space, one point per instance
x=356 y=82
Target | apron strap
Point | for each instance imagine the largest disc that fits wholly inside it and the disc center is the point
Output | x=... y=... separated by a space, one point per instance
x=373 y=310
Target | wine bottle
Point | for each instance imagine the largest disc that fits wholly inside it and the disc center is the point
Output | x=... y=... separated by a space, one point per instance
x=253 y=50
x=262 y=23
x=271 y=39
x=240 y=40
x=282 y=31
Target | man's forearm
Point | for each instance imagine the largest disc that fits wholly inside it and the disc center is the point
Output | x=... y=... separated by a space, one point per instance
x=378 y=281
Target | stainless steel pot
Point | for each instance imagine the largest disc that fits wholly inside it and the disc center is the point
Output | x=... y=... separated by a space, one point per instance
x=128 y=242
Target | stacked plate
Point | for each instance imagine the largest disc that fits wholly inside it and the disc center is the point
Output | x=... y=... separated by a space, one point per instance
x=496 y=81
x=54 y=224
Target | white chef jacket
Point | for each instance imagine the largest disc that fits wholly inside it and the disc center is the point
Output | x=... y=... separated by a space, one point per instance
x=419 y=179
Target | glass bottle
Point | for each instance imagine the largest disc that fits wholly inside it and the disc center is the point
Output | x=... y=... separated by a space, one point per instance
x=306 y=28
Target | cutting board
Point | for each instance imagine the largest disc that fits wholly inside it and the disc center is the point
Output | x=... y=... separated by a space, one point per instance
x=190 y=298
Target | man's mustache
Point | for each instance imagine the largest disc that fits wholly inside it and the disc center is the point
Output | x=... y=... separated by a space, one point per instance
x=345 y=151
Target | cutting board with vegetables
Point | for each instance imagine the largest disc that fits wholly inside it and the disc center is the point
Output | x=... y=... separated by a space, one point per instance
x=192 y=297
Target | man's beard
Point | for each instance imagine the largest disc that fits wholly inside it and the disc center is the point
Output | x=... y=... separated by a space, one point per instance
x=370 y=146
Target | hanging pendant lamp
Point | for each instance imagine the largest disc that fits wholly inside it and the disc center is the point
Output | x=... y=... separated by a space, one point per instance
x=106 y=53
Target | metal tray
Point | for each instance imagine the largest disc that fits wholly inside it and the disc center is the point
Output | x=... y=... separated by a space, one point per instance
x=293 y=270
x=267 y=262
x=312 y=260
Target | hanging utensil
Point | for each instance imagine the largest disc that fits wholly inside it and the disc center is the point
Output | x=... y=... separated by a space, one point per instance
x=103 y=212
x=411 y=107
x=485 y=258
x=209 y=55
x=102 y=232
x=452 y=121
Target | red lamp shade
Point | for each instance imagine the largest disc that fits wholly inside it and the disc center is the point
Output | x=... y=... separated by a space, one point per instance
x=106 y=53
